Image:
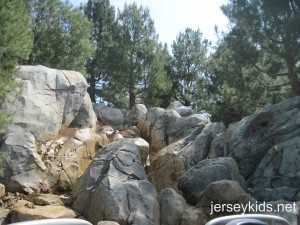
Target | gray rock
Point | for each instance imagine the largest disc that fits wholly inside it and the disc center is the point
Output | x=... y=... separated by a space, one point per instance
x=217 y=147
x=278 y=170
x=198 y=149
x=172 y=206
x=115 y=187
x=49 y=99
x=181 y=109
x=163 y=127
x=248 y=140
x=133 y=116
x=86 y=116
x=109 y=116
x=197 y=178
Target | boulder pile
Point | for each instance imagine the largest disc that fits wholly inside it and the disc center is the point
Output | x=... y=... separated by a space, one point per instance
x=64 y=157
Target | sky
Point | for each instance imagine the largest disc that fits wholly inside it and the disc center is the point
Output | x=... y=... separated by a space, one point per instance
x=173 y=16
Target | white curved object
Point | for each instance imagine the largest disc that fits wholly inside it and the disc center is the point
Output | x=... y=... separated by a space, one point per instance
x=268 y=219
x=54 y=222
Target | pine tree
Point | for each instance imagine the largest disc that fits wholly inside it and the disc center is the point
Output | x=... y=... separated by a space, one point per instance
x=15 y=46
x=61 y=35
x=102 y=15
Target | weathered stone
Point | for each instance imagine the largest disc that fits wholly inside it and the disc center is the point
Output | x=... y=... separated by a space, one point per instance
x=274 y=194
x=198 y=149
x=48 y=199
x=217 y=146
x=197 y=178
x=248 y=140
x=86 y=117
x=109 y=116
x=133 y=116
x=168 y=165
x=115 y=188
x=224 y=192
x=278 y=170
x=163 y=127
x=193 y=215
x=2 y=190
x=107 y=223
x=143 y=147
x=181 y=109
x=50 y=100
x=172 y=206
x=26 y=211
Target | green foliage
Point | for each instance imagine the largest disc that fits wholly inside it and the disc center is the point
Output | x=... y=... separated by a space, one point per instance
x=15 y=46
x=61 y=35
x=102 y=15
x=188 y=66
x=271 y=28
x=135 y=55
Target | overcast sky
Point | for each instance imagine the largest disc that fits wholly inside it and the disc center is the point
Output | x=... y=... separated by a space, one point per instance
x=172 y=16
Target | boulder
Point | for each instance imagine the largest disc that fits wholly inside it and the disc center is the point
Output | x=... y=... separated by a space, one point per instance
x=133 y=116
x=181 y=109
x=248 y=140
x=217 y=147
x=277 y=175
x=163 y=127
x=171 y=162
x=107 y=223
x=198 y=149
x=109 y=116
x=26 y=211
x=168 y=164
x=115 y=188
x=50 y=101
x=172 y=206
x=175 y=211
x=2 y=190
x=224 y=192
x=197 y=178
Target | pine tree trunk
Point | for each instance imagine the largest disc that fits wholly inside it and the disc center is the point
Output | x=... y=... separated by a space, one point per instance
x=92 y=88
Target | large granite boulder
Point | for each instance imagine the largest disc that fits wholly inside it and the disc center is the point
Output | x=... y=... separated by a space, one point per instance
x=50 y=101
x=200 y=176
x=265 y=146
x=175 y=211
x=109 y=116
x=248 y=140
x=115 y=188
x=171 y=162
x=162 y=127
x=132 y=117
x=181 y=109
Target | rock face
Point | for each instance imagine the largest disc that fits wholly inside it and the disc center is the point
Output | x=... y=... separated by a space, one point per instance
x=207 y=171
x=109 y=116
x=114 y=162
x=266 y=147
x=51 y=101
x=115 y=187
x=162 y=127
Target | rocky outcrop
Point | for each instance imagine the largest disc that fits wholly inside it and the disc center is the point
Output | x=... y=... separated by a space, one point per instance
x=265 y=146
x=162 y=127
x=115 y=187
x=109 y=116
x=51 y=102
x=198 y=177
x=113 y=163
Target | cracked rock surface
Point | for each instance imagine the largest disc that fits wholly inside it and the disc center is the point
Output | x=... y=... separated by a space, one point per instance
x=115 y=187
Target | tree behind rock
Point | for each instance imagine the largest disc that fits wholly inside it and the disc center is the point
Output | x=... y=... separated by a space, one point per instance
x=15 y=46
